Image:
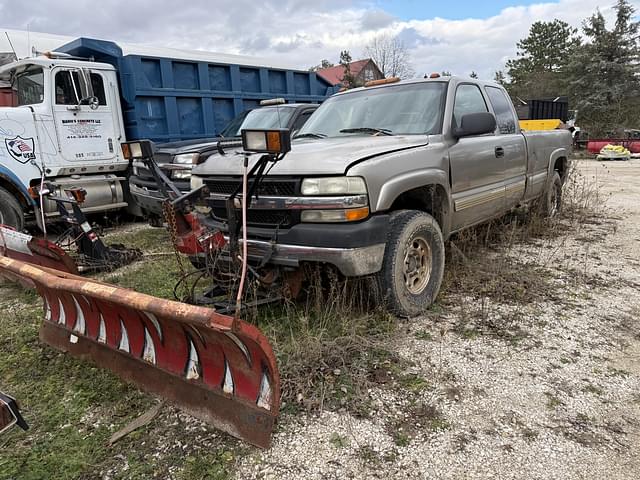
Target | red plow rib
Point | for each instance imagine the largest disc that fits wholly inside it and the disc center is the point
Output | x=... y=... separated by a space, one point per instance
x=219 y=369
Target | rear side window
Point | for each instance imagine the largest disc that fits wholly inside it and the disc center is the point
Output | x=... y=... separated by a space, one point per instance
x=502 y=108
x=468 y=99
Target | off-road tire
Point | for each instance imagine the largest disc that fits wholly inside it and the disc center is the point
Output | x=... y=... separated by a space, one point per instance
x=551 y=201
x=11 y=213
x=407 y=229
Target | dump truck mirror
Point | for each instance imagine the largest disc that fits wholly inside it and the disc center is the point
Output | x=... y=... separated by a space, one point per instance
x=86 y=89
x=276 y=141
x=10 y=414
x=87 y=97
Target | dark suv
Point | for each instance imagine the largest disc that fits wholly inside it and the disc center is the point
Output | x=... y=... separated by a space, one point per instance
x=178 y=158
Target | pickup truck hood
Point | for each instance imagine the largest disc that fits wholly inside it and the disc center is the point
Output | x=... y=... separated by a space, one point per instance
x=187 y=146
x=326 y=156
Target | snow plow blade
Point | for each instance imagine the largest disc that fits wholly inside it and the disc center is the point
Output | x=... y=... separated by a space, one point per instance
x=217 y=368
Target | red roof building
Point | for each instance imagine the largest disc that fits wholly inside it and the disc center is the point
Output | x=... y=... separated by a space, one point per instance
x=361 y=70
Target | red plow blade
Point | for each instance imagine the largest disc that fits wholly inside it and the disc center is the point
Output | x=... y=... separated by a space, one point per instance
x=219 y=369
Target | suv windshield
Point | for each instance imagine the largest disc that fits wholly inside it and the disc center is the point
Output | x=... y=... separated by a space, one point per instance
x=29 y=86
x=400 y=109
x=272 y=117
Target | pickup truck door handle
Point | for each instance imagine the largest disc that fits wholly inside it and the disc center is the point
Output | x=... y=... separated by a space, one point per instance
x=499 y=152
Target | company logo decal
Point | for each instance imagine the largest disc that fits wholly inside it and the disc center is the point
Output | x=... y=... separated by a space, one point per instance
x=21 y=149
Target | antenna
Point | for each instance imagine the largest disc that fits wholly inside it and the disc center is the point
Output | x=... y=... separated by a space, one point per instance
x=28 y=37
x=11 y=45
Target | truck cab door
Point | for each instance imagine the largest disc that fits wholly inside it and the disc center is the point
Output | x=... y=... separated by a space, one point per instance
x=512 y=143
x=84 y=126
x=476 y=164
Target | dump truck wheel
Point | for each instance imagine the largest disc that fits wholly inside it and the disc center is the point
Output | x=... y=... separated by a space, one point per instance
x=11 y=213
x=552 y=200
x=413 y=263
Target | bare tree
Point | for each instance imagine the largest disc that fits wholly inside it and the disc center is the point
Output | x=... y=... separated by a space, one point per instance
x=390 y=55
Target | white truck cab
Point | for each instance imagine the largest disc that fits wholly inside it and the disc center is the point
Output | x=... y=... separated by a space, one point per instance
x=66 y=129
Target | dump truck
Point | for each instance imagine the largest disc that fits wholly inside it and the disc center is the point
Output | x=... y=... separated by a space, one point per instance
x=74 y=106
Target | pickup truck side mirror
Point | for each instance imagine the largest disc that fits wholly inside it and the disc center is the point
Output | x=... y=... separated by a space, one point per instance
x=475 y=124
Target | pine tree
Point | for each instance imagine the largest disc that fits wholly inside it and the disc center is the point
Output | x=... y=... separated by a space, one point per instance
x=604 y=84
x=540 y=68
x=348 y=80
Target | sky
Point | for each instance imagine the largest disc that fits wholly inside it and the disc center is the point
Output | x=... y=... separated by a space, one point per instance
x=458 y=36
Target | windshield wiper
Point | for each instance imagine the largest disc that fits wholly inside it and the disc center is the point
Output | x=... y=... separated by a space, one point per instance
x=375 y=131
x=310 y=135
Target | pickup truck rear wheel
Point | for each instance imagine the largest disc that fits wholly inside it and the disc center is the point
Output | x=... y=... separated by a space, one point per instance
x=413 y=263
x=552 y=200
x=11 y=213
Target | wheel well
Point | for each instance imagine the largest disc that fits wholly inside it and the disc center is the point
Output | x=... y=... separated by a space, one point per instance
x=11 y=188
x=560 y=166
x=430 y=198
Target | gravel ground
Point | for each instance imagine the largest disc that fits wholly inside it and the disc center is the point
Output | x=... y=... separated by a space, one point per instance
x=545 y=388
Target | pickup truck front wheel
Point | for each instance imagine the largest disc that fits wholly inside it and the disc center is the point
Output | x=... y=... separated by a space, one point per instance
x=413 y=263
x=10 y=210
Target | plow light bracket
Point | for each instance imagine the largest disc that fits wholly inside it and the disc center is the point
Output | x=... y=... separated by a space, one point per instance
x=275 y=141
x=138 y=150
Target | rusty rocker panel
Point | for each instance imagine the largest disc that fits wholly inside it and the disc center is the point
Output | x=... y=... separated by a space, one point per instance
x=219 y=369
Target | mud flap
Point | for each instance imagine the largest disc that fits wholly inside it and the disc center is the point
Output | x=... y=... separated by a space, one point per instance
x=217 y=368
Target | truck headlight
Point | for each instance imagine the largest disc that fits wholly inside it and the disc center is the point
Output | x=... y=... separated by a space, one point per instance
x=184 y=159
x=334 y=186
x=196 y=182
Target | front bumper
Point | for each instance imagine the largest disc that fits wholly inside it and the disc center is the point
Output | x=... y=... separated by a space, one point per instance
x=355 y=249
x=148 y=197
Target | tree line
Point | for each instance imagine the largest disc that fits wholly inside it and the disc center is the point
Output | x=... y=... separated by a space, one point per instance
x=599 y=70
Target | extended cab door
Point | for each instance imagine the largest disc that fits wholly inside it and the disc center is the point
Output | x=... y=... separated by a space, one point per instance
x=513 y=146
x=476 y=163
x=85 y=131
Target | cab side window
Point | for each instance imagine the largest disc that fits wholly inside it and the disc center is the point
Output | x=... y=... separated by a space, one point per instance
x=502 y=108
x=468 y=99
x=66 y=90
x=67 y=84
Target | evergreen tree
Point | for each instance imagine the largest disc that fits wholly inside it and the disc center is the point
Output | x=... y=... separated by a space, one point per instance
x=348 y=79
x=540 y=68
x=500 y=78
x=323 y=64
x=604 y=84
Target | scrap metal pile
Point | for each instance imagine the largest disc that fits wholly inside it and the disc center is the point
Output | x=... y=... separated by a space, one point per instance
x=215 y=366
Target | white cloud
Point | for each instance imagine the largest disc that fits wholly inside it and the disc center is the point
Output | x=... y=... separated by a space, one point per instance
x=297 y=32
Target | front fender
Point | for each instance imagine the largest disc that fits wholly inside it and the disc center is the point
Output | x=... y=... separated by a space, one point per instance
x=396 y=186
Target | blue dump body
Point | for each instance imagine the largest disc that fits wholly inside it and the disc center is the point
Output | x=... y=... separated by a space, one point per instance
x=169 y=99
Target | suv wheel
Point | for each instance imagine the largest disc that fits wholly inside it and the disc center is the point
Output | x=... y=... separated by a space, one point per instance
x=413 y=264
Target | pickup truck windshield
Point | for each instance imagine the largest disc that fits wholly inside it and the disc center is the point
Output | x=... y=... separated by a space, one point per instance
x=262 y=118
x=394 y=110
x=29 y=86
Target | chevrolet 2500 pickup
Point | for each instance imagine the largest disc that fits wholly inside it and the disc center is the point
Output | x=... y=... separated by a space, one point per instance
x=380 y=176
